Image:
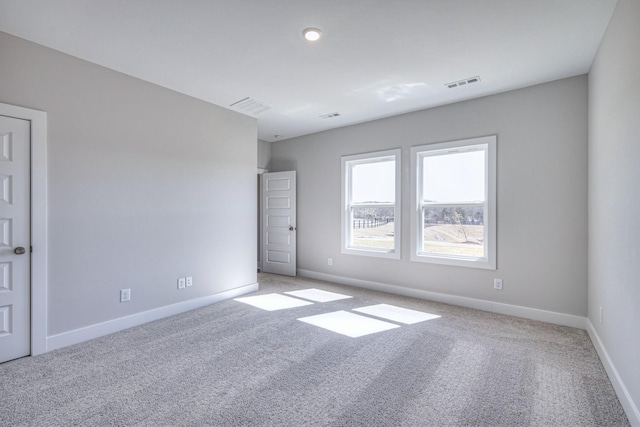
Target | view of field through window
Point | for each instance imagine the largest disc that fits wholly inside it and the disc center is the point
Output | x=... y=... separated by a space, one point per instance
x=373 y=228
x=373 y=197
x=454 y=231
x=453 y=196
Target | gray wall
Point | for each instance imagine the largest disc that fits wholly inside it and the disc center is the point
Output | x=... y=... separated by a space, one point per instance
x=614 y=193
x=264 y=160
x=145 y=186
x=264 y=154
x=542 y=195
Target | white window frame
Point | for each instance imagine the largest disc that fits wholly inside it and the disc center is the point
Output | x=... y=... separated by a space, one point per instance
x=417 y=212
x=346 y=218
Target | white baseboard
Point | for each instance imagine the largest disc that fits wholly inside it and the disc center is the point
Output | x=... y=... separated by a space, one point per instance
x=100 y=329
x=494 y=307
x=630 y=408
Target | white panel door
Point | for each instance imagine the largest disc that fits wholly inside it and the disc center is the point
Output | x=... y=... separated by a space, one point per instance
x=15 y=239
x=279 y=223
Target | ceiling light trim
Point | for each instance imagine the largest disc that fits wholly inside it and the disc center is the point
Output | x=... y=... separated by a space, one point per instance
x=312 y=34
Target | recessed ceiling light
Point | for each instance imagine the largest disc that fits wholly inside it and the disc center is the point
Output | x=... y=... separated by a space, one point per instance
x=312 y=34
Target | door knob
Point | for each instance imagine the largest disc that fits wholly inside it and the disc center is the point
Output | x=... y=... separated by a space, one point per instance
x=291 y=228
x=19 y=250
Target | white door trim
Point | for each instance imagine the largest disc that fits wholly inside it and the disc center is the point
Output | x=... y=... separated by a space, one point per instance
x=38 y=121
x=260 y=244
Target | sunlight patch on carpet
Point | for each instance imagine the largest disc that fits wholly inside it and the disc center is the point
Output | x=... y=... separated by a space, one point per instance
x=318 y=295
x=349 y=324
x=272 y=302
x=396 y=314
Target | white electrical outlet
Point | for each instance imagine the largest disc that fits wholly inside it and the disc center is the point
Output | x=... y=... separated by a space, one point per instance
x=189 y=281
x=182 y=282
x=601 y=314
x=125 y=295
x=497 y=284
x=329 y=261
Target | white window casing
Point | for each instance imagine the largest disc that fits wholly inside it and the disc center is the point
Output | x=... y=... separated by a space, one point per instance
x=485 y=207
x=349 y=206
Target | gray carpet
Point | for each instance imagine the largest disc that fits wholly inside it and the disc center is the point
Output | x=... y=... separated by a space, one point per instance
x=232 y=364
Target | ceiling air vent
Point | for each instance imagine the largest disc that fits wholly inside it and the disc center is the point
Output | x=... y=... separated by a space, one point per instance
x=329 y=116
x=464 y=82
x=250 y=105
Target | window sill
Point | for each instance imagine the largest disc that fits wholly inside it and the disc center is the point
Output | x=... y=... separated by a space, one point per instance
x=371 y=253
x=482 y=263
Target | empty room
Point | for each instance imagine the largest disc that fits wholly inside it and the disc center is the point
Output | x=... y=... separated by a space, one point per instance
x=339 y=213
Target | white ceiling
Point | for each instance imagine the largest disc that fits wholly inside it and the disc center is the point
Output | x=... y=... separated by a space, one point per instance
x=377 y=58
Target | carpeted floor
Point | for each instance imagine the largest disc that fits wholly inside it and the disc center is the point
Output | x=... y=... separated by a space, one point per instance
x=232 y=364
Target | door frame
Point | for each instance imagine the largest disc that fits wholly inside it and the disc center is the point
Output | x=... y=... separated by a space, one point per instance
x=260 y=211
x=38 y=120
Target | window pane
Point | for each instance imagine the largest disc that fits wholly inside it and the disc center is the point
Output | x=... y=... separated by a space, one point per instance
x=373 y=182
x=454 y=177
x=454 y=231
x=372 y=228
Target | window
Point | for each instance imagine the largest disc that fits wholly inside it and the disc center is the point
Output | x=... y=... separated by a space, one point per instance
x=371 y=204
x=454 y=203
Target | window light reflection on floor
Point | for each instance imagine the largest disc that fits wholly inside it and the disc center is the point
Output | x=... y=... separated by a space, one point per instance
x=318 y=295
x=349 y=324
x=272 y=302
x=396 y=314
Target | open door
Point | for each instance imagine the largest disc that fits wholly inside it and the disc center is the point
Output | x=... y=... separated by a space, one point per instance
x=15 y=238
x=279 y=222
